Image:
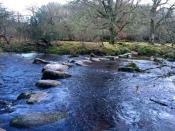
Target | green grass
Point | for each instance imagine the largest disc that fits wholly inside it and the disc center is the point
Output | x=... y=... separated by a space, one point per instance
x=75 y=47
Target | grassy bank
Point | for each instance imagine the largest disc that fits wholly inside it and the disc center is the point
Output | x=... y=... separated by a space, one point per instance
x=74 y=48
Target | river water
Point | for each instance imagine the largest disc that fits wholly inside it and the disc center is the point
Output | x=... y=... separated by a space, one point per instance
x=97 y=97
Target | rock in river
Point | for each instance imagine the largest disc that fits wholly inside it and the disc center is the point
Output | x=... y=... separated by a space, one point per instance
x=47 y=83
x=83 y=62
x=40 y=61
x=32 y=97
x=36 y=119
x=55 y=67
x=51 y=74
x=131 y=67
x=2 y=129
x=5 y=106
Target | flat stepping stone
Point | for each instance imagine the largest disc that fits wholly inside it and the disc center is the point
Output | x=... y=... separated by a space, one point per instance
x=53 y=75
x=47 y=83
x=33 y=97
x=55 y=67
x=34 y=119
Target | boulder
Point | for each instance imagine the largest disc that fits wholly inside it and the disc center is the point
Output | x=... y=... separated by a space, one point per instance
x=33 y=97
x=131 y=67
x=113 y=58
x=93 y=59
x=104 y=59
x=37 y=97
x=126 y=55
x=71 y=61
x=35 y=119
x=83 y=62
x=2 y=129
x=47 y=83
x=55 y=67
x=93 y=55
x=52 y=75
x=5 y=106
x=134 y=53
x=40 y=61
x=73 y=55
x=24 y=95
x=67 y=64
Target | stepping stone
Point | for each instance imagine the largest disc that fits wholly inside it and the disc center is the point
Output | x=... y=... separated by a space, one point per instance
x=47 y=83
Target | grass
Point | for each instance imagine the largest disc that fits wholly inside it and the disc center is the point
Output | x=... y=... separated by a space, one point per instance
x=75 y=47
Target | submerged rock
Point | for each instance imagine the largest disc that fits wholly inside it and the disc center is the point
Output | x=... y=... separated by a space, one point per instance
x=36 y=119
x=5 y=106
x=51 y=74
x=160 y=102
x=131 y=67
x=47 y=83
x=55 y=67
x=32 y=97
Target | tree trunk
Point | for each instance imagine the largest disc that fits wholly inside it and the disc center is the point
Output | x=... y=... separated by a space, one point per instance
x=152 y=31
x=5 y=38
x=112 y=35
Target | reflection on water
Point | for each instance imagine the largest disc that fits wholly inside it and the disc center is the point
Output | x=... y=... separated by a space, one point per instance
x=96 y=98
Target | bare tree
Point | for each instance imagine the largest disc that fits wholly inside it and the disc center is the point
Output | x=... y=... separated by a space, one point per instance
x=160 y=10
x=115 y=15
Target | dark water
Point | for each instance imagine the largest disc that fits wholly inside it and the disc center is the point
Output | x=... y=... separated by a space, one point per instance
x=96 y=98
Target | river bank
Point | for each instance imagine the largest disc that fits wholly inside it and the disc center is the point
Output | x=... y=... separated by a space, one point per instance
x=77 y=48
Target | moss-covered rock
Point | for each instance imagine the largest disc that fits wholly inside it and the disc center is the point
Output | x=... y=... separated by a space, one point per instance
x=34 y=119
x=130 y=67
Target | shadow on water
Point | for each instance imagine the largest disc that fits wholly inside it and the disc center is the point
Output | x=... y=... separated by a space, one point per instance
x=96 y=98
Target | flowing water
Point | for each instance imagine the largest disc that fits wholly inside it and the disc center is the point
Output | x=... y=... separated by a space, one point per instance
x=96 y=98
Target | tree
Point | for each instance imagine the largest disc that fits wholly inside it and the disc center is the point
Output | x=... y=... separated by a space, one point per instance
x=4 y=16
x=159 y=11
x=113 y=15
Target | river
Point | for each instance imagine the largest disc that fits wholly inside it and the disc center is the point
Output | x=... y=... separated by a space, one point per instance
x=97 y=97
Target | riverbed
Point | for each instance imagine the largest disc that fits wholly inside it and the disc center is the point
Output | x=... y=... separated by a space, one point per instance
x=97 y=97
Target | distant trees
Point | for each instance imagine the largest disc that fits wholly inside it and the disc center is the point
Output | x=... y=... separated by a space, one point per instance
x=4 y=16
x=159 y=12
x=91 y=20
x=49 y=22
x=112 y=15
